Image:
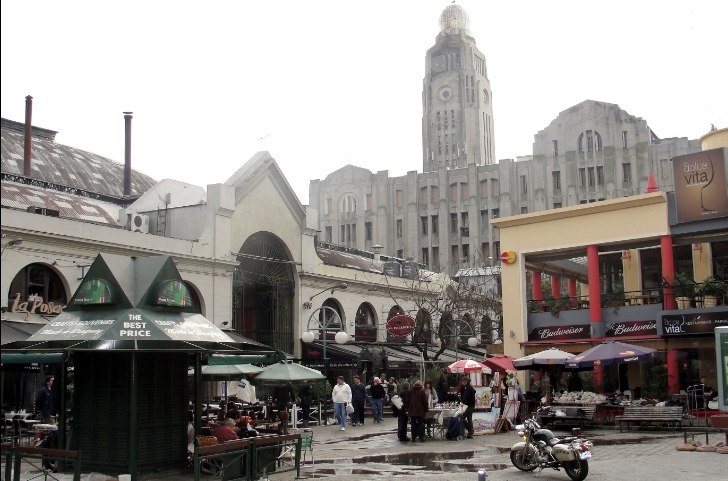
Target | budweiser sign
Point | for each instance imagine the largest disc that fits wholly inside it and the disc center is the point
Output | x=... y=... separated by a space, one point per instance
x=401 y=326
x=632 y=328
x=558 y=333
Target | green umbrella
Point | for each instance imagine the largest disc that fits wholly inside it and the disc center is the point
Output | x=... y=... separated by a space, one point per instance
x=288 y=372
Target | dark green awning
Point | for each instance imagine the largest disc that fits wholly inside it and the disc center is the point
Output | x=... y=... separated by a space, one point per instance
x=33 y=357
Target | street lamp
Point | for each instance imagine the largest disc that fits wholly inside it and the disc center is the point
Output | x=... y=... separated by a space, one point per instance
x=324 y=323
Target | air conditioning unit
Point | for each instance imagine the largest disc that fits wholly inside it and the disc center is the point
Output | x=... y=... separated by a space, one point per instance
x=139 y=223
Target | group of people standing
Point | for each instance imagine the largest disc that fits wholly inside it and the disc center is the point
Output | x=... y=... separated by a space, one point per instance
x=355 y=395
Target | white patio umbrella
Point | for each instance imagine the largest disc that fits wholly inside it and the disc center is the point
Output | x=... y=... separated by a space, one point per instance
x=464 y=366
x=543 y=359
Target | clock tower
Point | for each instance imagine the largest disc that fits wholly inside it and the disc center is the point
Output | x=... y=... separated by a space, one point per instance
x=457 y=108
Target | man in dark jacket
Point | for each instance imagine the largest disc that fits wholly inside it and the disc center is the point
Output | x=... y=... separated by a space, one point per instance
x=402 y=416
x=358 y=398
x=378 y=393
x=467 y=397
x=43 y=401
x=442 y=389
x=417 y=407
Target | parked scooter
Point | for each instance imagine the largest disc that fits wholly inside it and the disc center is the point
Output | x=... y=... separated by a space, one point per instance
x=541 y=449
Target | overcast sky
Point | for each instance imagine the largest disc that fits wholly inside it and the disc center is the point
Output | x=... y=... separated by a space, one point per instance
x=323 y=84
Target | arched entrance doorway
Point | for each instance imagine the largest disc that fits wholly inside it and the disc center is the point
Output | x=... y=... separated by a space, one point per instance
x=263 y=291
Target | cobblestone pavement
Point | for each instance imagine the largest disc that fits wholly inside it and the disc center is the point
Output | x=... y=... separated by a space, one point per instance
x=372 y=452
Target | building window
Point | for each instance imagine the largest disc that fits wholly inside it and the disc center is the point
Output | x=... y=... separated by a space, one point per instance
x=555 y=148
x=425 y=258
x=484 y=189
x=524 y=185
x=434 y=194
x=329 y=234
x=423 y=222
x=447 y=145
x=368 y=231
x=524 y=210
x=445 y=119
x=591 y=179
x=439 y=146
x=664 y=169
x=435 y=222
x=36 y=282
x=353 y=232
x=485 y=250
x=600 y=175
x=348 y=233
x=342 y=237
x=329 y=206
x=454 y=254
x=400 y=253
x=437 y=120
x=556 y=179
x=484 y=219
x=400 y=198
x=557 y=205
x=453 y=192
x=626 y=173
x=368 y=200
x=495 y=187
x=436 y=258
x=496 y=248
x=464 y=191
x=453 y=222
x=423 y=195
x=495 y=213
x=466 y=252
x=464 y=219
x=582 y=177
x=593 y=141
x=624 y=139
x=452 y=118
x=399 y=227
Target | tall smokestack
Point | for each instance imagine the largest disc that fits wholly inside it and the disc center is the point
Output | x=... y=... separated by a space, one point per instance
x=127 y=153
x=28 y=129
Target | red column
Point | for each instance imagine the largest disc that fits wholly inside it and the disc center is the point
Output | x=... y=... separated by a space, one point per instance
x=537 y=286
x=673 y=372
x=595 y=297
x=572 y=288
x=598 y=375
x=556 y=286
x=668 y=271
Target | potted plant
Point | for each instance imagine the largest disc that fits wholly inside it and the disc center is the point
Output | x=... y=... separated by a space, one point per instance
x=684 y=288
x=711 y=289
x=614 y=299
x=556 y=305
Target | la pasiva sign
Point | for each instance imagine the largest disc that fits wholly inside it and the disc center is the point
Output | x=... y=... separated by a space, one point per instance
x=401 y=326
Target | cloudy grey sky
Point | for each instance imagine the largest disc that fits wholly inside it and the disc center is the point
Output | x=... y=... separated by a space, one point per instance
x=323 y=84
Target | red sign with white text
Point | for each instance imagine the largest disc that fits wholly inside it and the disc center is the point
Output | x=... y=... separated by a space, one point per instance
x=401 y=326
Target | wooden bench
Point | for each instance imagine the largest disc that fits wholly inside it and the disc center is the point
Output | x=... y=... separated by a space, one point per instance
x=573 y=415
x=650 y=414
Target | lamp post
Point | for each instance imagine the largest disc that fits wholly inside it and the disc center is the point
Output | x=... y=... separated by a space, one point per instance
x=323 y=324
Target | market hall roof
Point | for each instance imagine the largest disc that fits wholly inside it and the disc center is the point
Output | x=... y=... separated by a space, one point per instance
x=64 y=166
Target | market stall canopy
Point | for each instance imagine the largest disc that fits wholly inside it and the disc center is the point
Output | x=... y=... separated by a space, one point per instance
x=464 y=366
x=609 y=352
x=500 y=363
x=543 y=359
x=287 y=373
x=136 y=304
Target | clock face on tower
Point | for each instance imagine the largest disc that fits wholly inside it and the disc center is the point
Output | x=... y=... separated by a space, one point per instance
x=445 y=93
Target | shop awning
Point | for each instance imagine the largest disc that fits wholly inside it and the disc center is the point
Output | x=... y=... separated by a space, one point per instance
x=17 y=331
x=32 y=358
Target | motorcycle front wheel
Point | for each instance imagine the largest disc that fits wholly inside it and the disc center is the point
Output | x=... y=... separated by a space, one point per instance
x=577 y=469
x=523 y=460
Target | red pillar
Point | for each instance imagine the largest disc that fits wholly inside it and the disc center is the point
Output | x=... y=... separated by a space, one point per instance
x=673 y=372
x=598 y=375
x=537 y=286
x=572 y=288
x=556 y=286
x=668 y=271
x=595 y=297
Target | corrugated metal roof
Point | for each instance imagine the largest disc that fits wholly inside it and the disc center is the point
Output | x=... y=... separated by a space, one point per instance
x=19 y=196
x=70 y=167
x=348 y=260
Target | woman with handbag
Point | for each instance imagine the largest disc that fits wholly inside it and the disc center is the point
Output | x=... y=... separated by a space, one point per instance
x=341 y=397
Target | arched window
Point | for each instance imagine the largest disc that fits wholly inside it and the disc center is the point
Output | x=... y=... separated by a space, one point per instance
x=37 y=281
x=423 y=329
x=365 y=323
x=593 y=141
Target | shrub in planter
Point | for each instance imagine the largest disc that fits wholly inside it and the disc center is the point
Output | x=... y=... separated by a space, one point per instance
x=711 y=289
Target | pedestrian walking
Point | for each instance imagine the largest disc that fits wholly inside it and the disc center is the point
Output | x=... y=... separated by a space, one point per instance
x=467 y=397
x=402 y=416
x=431 y=401
x=391 y=390
x=43 y=401
x=358 y=399
x=378 y=393
x=417 y=407
x=341 y=397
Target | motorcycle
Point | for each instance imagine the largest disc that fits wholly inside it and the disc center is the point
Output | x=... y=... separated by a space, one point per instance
x=541 y=449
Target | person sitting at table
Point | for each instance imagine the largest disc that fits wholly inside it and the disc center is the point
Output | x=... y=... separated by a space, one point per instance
x=226 y=431
x=575 y=383
x=244 y=427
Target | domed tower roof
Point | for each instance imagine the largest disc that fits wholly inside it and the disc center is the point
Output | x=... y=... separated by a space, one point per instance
x=454 y=18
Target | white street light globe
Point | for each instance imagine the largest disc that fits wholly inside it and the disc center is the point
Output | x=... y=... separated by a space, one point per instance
x=341 y=337
x=472 y=342
x=307 y=337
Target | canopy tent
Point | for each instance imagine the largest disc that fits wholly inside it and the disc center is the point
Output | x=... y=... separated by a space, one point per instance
x=609 y=352
x=543 y=359
x=500 y=363
x=287 y=373
x=465 y=366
